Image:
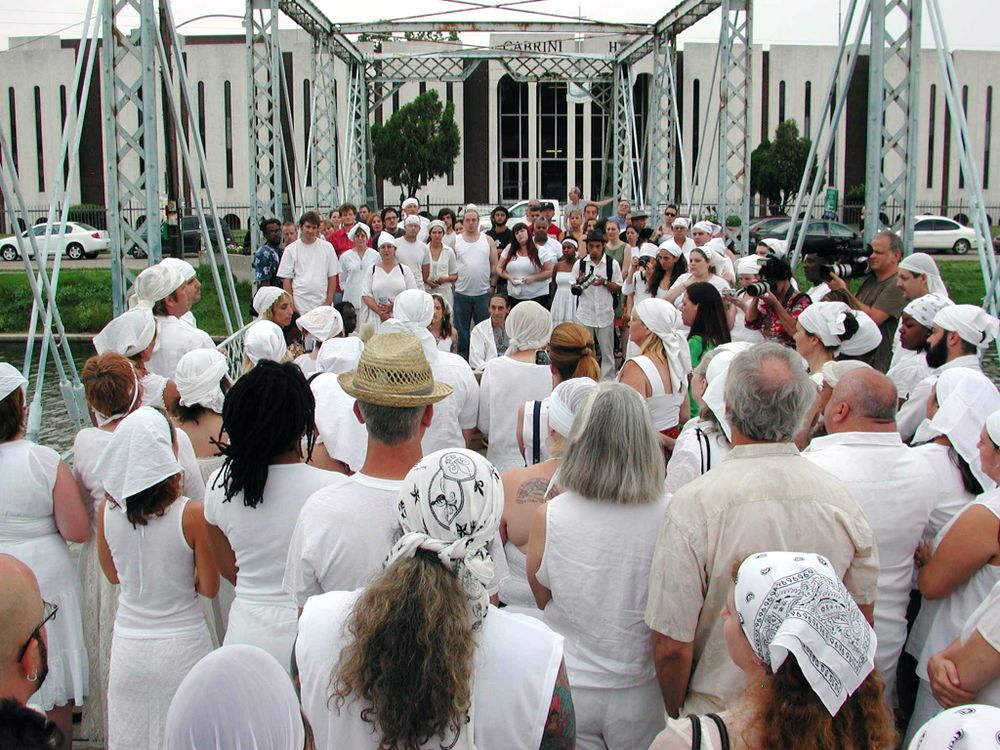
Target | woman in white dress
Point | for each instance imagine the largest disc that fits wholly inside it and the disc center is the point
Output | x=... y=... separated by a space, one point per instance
x=589 y=554
x=357 y=262
x=441 y=327
x=453 y=671
x=264 y=340
x=200 y=377
x=563 y=302
x=113 y=392
x=444 y=265
x=133 y=334
x=41 y=510
x=152 y=541
x=510 y=379
x=253 y=501
x=381 y=284
x=321 y=323
x=527 y=269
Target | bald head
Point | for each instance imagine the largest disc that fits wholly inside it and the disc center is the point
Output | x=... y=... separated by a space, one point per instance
x=864 y=400
x=21 y=606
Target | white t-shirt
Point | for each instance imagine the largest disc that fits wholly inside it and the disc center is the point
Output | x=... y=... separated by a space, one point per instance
x=174 y=339
x=505 y=385
x=259 y=536
x=482 y=345
x=456 y=412
x=378 y=284
x=521 y=267
x=353 y=268
x=310 y=268
x=413 y=255
x=473 y=265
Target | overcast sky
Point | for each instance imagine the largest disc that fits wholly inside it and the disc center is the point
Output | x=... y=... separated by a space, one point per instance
x=970 y=24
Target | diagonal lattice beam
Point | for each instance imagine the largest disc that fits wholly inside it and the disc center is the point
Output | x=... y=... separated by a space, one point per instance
x=264 y=113
x=736 y=55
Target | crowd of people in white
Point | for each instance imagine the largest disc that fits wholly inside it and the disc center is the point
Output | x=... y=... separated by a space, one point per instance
x=710 y=509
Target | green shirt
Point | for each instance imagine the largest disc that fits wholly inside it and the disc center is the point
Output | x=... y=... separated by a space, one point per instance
x=698 y=350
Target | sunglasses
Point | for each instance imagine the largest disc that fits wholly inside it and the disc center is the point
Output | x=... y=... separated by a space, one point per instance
x=50 y=611
x=669 y=214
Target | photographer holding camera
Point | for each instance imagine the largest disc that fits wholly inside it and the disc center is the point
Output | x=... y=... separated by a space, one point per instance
x=772 y=305
x=878 y=294
x=598 y=283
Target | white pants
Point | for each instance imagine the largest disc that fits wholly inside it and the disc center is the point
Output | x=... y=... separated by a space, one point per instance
x=618 y=718
x=605 y=338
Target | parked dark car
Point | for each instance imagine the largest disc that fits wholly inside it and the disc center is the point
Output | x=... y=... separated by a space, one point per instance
x=821 y=236
x=190 y=230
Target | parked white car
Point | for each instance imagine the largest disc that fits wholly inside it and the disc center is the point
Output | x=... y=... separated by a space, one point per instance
x=82 y=240
x=517 y=212
x=941 y=233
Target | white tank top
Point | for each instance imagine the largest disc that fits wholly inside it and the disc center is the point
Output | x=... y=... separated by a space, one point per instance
x=516 y=663
x=473 y=265
x=155 y=567
x=664 y=408
x=601 y=617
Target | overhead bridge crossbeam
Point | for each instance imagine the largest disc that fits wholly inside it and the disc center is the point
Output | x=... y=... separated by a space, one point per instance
x=497 y=27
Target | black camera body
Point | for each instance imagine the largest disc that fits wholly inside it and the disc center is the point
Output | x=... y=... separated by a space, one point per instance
x=848 y=263
x=757 y=289
x=581 y=284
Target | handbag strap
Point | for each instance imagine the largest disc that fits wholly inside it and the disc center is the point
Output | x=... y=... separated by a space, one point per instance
x=695 y=732
x=723 y=732
x=536 y=428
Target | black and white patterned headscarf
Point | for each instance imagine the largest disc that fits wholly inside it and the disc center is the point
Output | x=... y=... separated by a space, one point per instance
x=793 y=602
x=973 y=727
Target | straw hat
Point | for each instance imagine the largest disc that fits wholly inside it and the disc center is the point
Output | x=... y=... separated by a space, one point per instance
x=393 y=371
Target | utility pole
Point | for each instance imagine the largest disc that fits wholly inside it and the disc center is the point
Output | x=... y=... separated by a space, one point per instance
x=174 y=241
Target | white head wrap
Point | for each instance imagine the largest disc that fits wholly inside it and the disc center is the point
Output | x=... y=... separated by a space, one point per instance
x=647 y=250
x=704 y=226
x=778 y=247
x=359 y=226
x=470 y=207
x=993 y=427
x=153 y=284
x=971 y=323
x=237 y=698
x=128 y=334
x=412 y=312
x=680 y=221
x=965 y=398
x=265 y=298
x=825 y=320
x=529 y=326
x=565 y=401
x=749 y=264
x=186 y=269
x=972 y=727
x=868 y=337
x=923 y=309
x=794 y=602
x=412 y=220
x=323 y=322
x=671 y=247
x=571 y=241
x=715 y=249
x=410 y=202
x=198 y=377
x=660 y=317
x=139 y=455
x=450 y=504
x=384 y=238
x=339 y=355
x=436 y=223
x=10 y=380
x=923 y=264
x=715 y=375
x=264 y=340
x=834 y=370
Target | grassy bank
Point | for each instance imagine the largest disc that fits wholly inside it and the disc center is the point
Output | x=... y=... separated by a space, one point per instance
x=84 y=297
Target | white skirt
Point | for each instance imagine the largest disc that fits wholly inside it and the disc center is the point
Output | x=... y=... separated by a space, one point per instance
x=145 y=674
x=271 y=627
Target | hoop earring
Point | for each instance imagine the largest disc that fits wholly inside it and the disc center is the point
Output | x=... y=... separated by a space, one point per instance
x=33 y=677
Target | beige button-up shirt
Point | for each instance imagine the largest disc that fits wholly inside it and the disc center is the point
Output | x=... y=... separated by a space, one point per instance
x=762 y=497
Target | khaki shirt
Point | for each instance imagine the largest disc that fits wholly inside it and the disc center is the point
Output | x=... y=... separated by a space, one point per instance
x=761 y=498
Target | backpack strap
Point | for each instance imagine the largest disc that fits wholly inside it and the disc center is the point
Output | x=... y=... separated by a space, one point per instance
x=695 y=732
x=705 y=449
x=536 y=426
x=609 y=266
x=723 y=732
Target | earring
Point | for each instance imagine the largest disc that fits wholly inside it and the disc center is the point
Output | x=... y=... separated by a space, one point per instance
x=33 y=677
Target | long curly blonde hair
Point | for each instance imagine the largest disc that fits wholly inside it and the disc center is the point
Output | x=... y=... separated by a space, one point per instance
x=410 y=658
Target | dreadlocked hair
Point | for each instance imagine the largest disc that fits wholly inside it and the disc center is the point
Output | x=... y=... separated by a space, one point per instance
x=410 y=657
x=267 y=412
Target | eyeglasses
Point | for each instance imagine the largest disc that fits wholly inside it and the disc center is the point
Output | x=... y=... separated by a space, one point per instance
x=50 y=611
x=670 y=214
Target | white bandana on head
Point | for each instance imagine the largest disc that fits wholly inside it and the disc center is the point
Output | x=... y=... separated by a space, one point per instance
x=924 y=265
x=923 y=309
x=264 y=340
x=646 y=250
x=778 y=247
x=436 y=223
x=139 y=455
x=680 y=221
x=359 y=227
x=198 y=378
x=265 y=298
x=715 y=375
x=529 y=326
x=834 y=370
x=153 y=284
x=322 y=323
x=825 y=320
x=749 y=265
x=565 y=401
x=965 y=397
x=186 y=269
x=971 y=727
x=671 y=247
x=384 y=238
x=412 y=312
x=410 y=202
x=867 y=338
x=971 y=323
x=128 y=334
x=794 y=603
x=10 y=380
x=704 y=226
x=339 y=355
x=993 y=427
x=660 y=317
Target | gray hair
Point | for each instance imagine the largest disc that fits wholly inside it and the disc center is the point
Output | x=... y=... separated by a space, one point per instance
x=706 y=360
x=895 y=241
x=768 y=392
x=614 y=416
x=391 y=425
x=869 y=393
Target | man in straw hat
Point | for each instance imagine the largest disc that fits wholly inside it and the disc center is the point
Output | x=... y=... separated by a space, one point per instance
x=345 y=530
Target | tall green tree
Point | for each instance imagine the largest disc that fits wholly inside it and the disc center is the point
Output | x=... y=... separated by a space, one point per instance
x=776 y=166
x=418 y=143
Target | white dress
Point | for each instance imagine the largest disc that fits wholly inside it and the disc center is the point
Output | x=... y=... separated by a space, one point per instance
x=445 y=265
x=263 y=614
x=28 y=532
x=353 y=268
x=383 y=287
x=563 y=301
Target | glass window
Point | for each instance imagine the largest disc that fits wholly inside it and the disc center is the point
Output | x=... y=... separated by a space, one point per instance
x=840 y=230
x=599 y=118
x=552 y=139
x=513 y=146
x=227 y=108
x=39 y=160
x=924 y=225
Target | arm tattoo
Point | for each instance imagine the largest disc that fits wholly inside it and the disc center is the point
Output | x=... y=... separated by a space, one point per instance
x=560 y=727
x=532 y=491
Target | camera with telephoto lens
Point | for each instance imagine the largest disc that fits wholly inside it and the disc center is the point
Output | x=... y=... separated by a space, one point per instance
x=849 y=266
x=583 y=283
x=757 y=289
